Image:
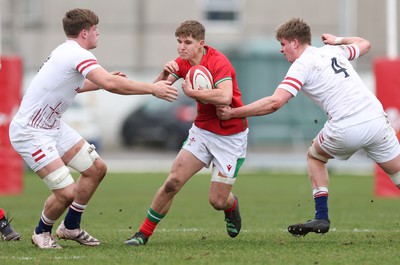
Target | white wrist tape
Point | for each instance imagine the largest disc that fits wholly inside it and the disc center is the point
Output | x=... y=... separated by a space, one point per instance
x=338 y=40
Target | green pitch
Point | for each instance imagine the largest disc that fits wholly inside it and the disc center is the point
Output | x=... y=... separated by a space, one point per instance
x=364 y=229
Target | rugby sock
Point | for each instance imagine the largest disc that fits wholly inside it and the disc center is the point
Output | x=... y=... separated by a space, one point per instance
x=150 y=222
x=321 y=203
x=233 y=206
x=3 y=221
x=73 y=218
x=45 y=224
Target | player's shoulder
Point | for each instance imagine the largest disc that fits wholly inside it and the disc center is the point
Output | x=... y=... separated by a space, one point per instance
x=316 y=54
x=216 y=59
x=72 y=48
x=69 y=45
x=71 y=55
x=214 y=53
x=331 y=49
x=72 y=51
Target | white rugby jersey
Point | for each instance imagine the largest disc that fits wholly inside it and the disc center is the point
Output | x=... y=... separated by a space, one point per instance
x=55 y=86
x=326 y=76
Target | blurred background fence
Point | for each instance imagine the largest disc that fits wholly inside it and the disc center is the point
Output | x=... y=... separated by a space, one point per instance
x=137 y=37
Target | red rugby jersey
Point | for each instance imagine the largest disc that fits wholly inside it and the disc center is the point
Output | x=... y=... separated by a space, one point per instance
x=221 y=69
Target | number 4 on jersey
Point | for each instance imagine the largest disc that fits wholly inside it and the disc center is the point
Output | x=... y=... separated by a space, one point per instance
x=337 y=68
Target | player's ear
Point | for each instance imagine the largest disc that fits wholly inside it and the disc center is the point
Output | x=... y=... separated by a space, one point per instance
x=83 y=33
x=296 y=43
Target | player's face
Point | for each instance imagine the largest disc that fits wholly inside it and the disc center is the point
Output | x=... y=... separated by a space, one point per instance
x=288 y=50
x=93 y=37
x=189 y=48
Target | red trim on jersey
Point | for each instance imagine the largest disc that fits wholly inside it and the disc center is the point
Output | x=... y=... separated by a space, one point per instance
x=91 y=61
x=352 y=52
x=90 y=64
x=290 y=84
x=295 y=80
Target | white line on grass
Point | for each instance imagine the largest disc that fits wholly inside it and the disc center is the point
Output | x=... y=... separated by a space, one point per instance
x=355 y=230
x=33 y=258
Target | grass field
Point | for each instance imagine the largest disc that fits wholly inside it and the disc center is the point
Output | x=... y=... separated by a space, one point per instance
x=364 y=230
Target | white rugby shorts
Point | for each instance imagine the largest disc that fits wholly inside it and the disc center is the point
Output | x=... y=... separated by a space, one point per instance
x=376 y=137
x=40 y=147
x=227 y=153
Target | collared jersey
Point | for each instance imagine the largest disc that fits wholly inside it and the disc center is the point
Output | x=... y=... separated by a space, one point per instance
x=326 y=76
x=55 y=86
x=221 y=70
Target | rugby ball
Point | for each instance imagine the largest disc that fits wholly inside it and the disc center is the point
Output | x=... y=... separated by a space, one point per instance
x=200 y=77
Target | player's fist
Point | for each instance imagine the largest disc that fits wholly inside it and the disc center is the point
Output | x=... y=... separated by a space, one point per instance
x=329 y=38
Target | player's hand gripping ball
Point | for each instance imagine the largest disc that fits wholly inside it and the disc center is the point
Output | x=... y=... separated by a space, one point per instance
x=200 y=77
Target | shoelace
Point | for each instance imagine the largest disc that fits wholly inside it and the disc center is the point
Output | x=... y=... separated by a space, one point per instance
x=46 y=238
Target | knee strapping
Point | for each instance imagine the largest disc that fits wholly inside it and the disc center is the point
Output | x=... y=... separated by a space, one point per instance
x=58 y=179
x=395 y=178
x=315 y=154
x=84 y=158
x=222 y=179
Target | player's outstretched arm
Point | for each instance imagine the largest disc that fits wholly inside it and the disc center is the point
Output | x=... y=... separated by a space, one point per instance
x=363 y=44
x=124 y=86
x=263 y=106
x=90 y=86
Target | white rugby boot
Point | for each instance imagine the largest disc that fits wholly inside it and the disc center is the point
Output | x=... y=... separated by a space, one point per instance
x=45 y=241
x=79 y=235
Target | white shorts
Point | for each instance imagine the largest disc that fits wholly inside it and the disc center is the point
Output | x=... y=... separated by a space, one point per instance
x=40 y=147
x=376 y=137
x=227 y=153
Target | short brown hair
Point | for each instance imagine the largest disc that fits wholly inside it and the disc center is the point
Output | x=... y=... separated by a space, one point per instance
x=191 y=28
x=294 y=28
x=78 y=19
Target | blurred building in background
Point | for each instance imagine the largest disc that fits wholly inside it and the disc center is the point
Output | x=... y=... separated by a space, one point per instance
x=137 y=37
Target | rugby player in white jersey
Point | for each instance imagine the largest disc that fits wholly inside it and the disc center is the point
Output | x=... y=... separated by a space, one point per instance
x=48 y=145
x=356 y=119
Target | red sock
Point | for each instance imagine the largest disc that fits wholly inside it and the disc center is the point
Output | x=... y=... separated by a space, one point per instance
x=232 y=208
x=148 y=227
